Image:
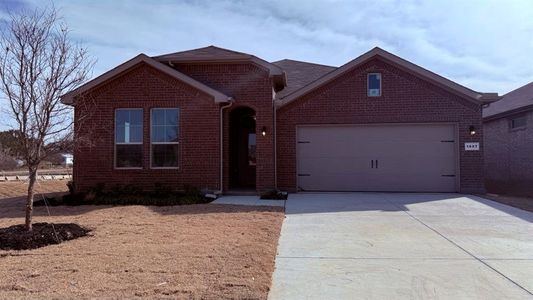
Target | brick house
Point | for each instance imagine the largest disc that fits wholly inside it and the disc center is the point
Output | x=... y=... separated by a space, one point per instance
x=229 y=121
x=509 y=143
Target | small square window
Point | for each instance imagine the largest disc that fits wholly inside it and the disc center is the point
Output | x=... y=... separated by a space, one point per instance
x=374 y=84
x=518 y=122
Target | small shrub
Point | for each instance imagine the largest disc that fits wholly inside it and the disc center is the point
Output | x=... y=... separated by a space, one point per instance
x=129 y=194
x=71 y=187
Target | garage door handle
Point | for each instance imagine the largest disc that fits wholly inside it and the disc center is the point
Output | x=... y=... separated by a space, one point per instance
x=377 y=164
x=372 y=164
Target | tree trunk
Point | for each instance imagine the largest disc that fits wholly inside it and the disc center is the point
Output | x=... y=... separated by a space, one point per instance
x=29 y=199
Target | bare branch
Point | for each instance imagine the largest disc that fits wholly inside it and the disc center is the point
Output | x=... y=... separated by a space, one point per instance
x=38 y=64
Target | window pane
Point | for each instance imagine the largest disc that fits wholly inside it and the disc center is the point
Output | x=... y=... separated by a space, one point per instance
x=158 y=117
x=373 y=81
x=119 y=134
x=128 y=126
x=171 y=117
x=164 y=155
x=171 y=134
x=122 y=117
x=136 y=117
x=129 y=156
x=136 y=134
x=158 y=134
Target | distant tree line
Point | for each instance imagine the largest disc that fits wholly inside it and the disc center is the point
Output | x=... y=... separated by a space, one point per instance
x=11 y=153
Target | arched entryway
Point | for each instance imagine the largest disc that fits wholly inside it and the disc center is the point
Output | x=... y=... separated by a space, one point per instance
x=242 y=141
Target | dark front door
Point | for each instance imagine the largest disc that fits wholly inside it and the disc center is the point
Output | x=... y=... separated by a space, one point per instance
x=242 y=148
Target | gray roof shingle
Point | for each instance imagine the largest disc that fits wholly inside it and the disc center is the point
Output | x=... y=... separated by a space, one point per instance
x=300 y=74
x=205 y=53
x=522 y=97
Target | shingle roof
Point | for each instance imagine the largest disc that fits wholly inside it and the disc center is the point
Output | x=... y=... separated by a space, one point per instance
x=521 y=98
x=300 y=74
x=205 y=53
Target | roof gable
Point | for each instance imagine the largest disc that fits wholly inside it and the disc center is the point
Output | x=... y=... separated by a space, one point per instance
x=473 y=96
x=213 y=54
x=516 y=100
x=68 y=98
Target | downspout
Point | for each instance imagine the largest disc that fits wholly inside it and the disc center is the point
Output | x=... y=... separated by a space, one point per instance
x=275 y=144
x=222 y=144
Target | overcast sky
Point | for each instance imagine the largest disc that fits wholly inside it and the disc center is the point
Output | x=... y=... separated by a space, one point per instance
x=483 y=44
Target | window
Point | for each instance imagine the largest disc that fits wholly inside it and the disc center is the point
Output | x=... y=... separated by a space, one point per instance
x=518 y=122
x=165 y=137
x=374 y=84
x=128 y=138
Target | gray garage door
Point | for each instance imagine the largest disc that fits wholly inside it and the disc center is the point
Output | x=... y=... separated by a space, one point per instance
x=406 y=158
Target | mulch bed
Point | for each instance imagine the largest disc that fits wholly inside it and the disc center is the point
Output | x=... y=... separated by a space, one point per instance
x=43 y=234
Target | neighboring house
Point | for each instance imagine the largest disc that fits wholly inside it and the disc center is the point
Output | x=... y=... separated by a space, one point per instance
x=508 y=126
x=224 y=120
x=68 y=160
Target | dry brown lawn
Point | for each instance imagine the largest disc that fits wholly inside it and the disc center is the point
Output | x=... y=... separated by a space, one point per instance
x=185 y=252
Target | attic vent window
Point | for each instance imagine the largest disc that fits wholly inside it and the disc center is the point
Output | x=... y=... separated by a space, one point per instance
x=374 y=84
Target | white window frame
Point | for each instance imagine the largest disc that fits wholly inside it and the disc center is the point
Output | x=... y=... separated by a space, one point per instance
x=164 y=143
x=368 y=84
x=128 y=143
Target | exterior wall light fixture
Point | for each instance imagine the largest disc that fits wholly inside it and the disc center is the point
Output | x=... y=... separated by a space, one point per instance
x=264 y=131
x=472 y=130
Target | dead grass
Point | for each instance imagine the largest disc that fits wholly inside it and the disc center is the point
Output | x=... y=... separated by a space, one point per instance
x=12 y=189
x=198 y=251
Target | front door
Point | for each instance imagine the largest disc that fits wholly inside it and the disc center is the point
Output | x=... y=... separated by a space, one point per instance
x=242 y=148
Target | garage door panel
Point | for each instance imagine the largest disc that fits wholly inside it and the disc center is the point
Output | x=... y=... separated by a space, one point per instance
x=414 y=157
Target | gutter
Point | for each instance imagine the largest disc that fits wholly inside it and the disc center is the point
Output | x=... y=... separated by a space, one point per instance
x=508 y=113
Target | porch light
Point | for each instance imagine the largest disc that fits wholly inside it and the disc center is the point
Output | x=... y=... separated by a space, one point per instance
x=472 y=130
x=264 y=131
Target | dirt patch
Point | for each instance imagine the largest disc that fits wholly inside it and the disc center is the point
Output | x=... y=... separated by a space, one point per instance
x=203 y=251
x=16 y=237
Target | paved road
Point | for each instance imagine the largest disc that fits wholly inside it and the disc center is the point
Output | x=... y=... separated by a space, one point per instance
x=403 y=246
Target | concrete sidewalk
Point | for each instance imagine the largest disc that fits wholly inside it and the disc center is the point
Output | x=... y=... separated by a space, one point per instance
x=403 y=246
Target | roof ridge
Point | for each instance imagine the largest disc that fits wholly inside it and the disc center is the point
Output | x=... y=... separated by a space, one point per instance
x=305 y=62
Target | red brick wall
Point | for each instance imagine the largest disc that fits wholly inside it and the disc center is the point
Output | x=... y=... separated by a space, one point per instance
x=250 y=86
x=145 y=87
x=405 y=98
x=509 y=157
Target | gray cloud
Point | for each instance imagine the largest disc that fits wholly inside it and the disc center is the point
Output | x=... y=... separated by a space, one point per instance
x=483 y=44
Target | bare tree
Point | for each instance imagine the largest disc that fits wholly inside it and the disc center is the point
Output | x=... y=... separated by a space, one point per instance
x=39 y=63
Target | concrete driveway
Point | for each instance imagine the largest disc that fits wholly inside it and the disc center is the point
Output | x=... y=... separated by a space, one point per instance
x=403 y=246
